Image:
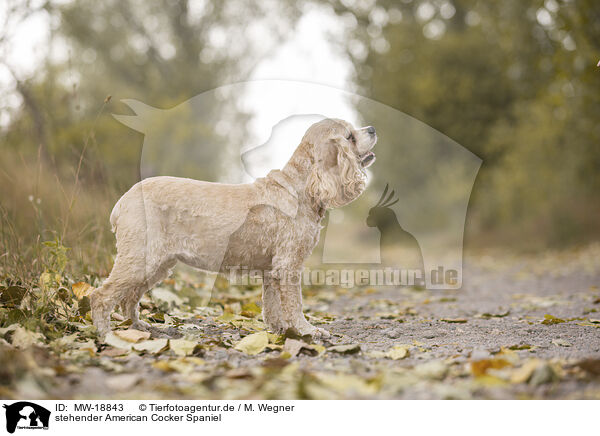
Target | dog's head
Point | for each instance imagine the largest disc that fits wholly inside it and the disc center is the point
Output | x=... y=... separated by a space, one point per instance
x=339 y=154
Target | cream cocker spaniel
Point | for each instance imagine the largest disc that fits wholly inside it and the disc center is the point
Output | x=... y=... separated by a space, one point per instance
x=271 y=225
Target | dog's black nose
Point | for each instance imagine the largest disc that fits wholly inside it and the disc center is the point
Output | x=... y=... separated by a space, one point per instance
x=371 y=130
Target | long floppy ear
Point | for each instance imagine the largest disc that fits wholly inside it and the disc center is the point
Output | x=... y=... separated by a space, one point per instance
x=322 y=186
x=332 y=152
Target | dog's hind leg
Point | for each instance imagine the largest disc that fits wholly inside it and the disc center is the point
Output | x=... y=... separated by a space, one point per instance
x=130 y=306
x=102 y=303
x=126 y=277
x=130 y=302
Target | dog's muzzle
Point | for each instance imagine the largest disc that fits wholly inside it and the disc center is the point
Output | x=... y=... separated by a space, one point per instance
x=367 y=159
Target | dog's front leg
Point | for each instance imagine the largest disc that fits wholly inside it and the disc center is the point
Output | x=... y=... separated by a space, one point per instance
x=271 y=311
x=290 y=291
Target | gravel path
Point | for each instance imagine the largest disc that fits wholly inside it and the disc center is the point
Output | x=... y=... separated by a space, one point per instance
x=521 y=327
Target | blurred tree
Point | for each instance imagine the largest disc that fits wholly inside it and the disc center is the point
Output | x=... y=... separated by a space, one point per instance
x=514 y=82
x=161 y=52
x=65 y=160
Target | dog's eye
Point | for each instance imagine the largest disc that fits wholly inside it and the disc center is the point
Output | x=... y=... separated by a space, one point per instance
x=350 y=137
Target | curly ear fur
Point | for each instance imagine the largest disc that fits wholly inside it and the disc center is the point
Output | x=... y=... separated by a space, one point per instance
x=336 y=185
x=321 y=187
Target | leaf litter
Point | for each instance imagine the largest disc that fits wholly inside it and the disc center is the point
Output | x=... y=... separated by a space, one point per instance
x=401 y=343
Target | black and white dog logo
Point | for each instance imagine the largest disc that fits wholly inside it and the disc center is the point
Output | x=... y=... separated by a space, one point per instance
x=26 y=415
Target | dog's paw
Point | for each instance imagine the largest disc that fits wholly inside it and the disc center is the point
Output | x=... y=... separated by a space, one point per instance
x=141 y=325
x=321 y=334
x=165 y=332
x=314 y=332
x=101 y=332
x=277 y=327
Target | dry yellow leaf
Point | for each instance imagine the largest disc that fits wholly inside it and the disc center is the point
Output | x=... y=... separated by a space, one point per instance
x=254 y=343
x=82 y=289
x=182 y=347
x=132 y=335
x=182 y=365
x=454 y=320
x=154 y=346
x=398 y=352
x=480 y=367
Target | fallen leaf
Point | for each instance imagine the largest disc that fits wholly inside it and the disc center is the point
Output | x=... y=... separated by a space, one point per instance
x=520 y=347
x=238 y=373
x=156 y=317
x=12 y=295
x=183 y=365
x=398 y=352
x=251 y=324
x=250 y=310
x=551 y=320
x=295 y=347
x=344 y=349
x=67 y=341
x=227 y=317
x=344 y=384
x=592 y=366
x=275 y=363
x=113 y=352
x=89 y=346
x=83 y=306
x=10 y=328
x=292 y=346
x=154 y=346
x=253 y=343
x=118 y=317
x=49 y=280
x=480 y=367
x=588 y=324
x=594 y=321
x=454 y=320
x=82 y=289
x=115 y=341
x=182 y=347
x=488 y=315
x=23 y=338
x=166 y=296
x=561 y=343
x=132 y=335
x=276 y=339
x=387 y=315
x=434 y=370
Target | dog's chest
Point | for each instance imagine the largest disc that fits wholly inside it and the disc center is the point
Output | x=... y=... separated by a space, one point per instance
x=265 y=234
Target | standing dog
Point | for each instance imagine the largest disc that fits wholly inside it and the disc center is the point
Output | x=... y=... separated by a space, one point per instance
x=271 y=225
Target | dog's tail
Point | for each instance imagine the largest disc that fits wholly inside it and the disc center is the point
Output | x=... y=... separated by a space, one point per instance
x=114 y=215
x=135 y=195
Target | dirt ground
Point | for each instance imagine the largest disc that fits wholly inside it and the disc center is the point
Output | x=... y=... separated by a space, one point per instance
x=520 y=327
